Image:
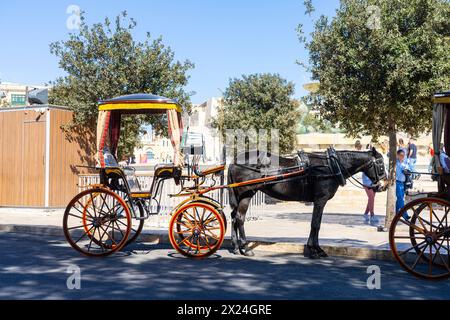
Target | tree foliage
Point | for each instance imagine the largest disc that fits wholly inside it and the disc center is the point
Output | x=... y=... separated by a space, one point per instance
x=378 y=68
x=261 y=101
x=103 y=61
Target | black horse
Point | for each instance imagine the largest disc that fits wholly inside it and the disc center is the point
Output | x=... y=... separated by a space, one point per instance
x=324 y=172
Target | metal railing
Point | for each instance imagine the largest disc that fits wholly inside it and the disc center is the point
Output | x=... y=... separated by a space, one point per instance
x=168 y=203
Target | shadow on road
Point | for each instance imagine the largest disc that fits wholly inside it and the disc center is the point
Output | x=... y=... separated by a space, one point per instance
x=34 y=267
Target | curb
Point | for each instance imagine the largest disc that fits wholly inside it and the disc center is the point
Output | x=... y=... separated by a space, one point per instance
x=161 y=237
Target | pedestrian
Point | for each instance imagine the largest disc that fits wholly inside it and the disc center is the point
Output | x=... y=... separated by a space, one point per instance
x=358 y=145
x=369 y=214
x=384 y=149
x=400 y=177
x=412 y=154
x=401 y=146
x=431 y=150
x=444 y=159
x=431 y=153
x=124 y=162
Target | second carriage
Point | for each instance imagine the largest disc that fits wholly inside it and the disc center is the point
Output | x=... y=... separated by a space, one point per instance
x=420 y=232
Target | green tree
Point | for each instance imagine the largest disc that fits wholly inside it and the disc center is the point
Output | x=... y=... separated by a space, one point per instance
x=378 y=63
x=260 y=101
x=103 y=61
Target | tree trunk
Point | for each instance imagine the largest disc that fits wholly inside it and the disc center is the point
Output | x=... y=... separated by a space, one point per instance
x=391 y=198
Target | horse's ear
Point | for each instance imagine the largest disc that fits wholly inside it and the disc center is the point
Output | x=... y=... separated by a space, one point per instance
x=374 y=151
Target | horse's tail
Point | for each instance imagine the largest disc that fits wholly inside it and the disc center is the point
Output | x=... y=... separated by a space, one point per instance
x=232 y=196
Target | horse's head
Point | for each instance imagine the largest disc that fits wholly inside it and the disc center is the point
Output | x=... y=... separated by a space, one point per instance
x=375 y=170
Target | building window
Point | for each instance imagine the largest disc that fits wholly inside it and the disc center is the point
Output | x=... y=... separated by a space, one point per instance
x=150 y=155
x=17 y=99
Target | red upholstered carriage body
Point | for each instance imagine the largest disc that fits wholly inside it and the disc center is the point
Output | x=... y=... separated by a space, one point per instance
x=109 y=119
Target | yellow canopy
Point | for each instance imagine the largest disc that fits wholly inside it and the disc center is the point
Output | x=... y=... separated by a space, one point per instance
x=442 y=98
x=140 y=103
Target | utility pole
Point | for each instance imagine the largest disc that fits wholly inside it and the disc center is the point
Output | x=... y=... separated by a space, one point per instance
x=26 y=96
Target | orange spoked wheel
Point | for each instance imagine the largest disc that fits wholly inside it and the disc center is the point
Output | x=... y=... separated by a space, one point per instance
x=97 y=222
x=197 y=230
x=420 y=238
x=137 y=217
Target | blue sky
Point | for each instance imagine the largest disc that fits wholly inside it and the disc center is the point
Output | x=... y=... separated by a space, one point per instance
x=224 y=39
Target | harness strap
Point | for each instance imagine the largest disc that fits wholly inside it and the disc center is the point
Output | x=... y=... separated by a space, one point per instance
x=335 y=166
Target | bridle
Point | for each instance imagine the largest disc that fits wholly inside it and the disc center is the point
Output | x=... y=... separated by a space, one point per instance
x=380 y=174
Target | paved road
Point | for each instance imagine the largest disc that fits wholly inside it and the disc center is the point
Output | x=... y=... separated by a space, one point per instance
x=34 y=267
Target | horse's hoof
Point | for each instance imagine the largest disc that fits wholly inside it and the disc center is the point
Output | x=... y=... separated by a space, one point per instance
x=235 y=251
x=249 y=253
x=307 y=252
x=322 y=254
x=314 y=256
x=246 y=252
x=311 y=255
x=311 y=252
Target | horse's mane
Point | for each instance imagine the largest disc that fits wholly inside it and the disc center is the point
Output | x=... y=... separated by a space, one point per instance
x=345 y=152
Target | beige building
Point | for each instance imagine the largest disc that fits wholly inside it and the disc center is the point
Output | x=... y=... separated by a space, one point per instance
x=200 y=122
x=154 y=149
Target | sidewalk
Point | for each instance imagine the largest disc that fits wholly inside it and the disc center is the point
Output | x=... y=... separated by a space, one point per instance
x=282 y=228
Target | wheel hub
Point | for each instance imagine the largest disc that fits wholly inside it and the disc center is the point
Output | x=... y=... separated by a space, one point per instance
x=431 y=238
x=97 y=222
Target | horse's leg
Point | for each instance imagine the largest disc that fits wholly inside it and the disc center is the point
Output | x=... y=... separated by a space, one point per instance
x=234 y=231
x=321 y=252
x=240 y=220
x=312 y=249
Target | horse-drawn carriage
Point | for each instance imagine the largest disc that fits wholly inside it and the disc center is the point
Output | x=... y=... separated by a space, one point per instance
x=106 y=217
x=110 y=215
x=420 y=233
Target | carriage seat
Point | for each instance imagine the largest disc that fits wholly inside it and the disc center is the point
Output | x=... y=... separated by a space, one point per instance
x=167 y=170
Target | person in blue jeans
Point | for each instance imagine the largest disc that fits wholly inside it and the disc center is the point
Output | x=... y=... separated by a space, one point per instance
x=412 y=154
x=400 y=178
